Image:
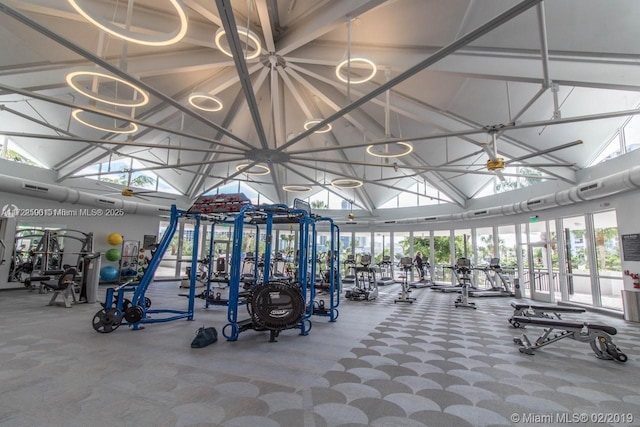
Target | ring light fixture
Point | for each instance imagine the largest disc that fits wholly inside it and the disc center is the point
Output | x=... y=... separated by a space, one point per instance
x=71 y=81
x=134 y=36
x=264 y=169
x=296 y=188
x=409 y=149
x=200 y=100
x=346 y=183
x=243 y=33
x=358 y=60
x=312 y=122
x=131 y=128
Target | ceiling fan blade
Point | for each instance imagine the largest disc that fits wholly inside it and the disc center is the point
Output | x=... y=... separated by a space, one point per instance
x=160 y=197
x=145 y=192
x=547 y=151
x=544 y=165
x=140 y=197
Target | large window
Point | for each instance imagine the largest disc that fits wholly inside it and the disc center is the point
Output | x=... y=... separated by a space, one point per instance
x=122 y=172
x=401 y=244
x=362 y=243
x=463 y=244
x=381 y=246
x=442 y=256
x=632 y=134
x=484 y=245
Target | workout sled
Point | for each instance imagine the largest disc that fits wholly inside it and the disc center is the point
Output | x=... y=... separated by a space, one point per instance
x=540 y=311
x=598 y=336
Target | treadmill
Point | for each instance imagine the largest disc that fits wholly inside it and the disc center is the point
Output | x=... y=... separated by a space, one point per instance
x=500 y=286
x=386 y=271
x=425 y=281
x=462 y=273
x=350 y=270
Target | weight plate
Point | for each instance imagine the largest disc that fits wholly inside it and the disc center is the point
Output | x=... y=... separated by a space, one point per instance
x=106 y=321
x=133 y=314
x=147 y=302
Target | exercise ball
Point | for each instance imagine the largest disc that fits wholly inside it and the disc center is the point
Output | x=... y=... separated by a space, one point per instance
x=108 y=273
x=114 y=239
x=112 y=254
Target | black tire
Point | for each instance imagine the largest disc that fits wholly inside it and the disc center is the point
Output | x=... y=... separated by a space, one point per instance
x=277 y=306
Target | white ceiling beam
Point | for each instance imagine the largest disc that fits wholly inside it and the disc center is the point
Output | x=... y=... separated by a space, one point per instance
x=225 y=10
x=266 y=24
x=277 y=105
x=504 y=17
x=584 y=69
x=452 y=192
x=321 y=22
x=304 y=105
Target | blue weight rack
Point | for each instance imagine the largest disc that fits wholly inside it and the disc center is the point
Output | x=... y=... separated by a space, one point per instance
x=138 y=312
x=267 y=216
x=319 y=307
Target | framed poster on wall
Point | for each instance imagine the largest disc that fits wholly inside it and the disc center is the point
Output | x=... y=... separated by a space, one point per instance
x=631 y=247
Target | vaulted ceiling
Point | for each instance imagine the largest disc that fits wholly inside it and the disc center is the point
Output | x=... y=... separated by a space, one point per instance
x=458 y=81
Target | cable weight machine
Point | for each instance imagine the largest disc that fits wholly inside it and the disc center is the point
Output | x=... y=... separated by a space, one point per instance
x=273 y=305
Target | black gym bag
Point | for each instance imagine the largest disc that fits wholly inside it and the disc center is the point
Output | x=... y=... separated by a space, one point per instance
x=204 y=337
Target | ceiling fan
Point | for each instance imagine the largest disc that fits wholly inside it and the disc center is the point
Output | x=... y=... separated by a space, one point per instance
x=129 y=192
x=496 y=163
x=125 y=192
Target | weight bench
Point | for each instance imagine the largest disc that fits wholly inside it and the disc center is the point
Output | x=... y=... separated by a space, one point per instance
x=540 y=311
x=598 y=336
x=63 y=286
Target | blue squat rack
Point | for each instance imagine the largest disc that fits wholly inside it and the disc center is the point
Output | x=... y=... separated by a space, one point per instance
x=118 y=310
x=319 y=306
x=267 y=215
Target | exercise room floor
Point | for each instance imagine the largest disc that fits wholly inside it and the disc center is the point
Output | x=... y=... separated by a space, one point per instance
x=380 y=364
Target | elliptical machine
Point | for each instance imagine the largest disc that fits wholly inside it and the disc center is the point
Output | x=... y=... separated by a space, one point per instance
x=463 y=270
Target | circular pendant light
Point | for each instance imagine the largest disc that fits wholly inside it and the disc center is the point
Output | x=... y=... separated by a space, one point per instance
x=346 y=183
x=312 y=122
x=131 y=127
x=296 y=188
x=262 y=169
x=357 y=62
x=139 y=99
x=408 y=148
x=154 y=39
x=204 y=101
x=245 y=35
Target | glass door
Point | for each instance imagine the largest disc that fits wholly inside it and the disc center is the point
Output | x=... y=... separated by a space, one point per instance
x=608 y=265
x=540 y=266
x=577 y=256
